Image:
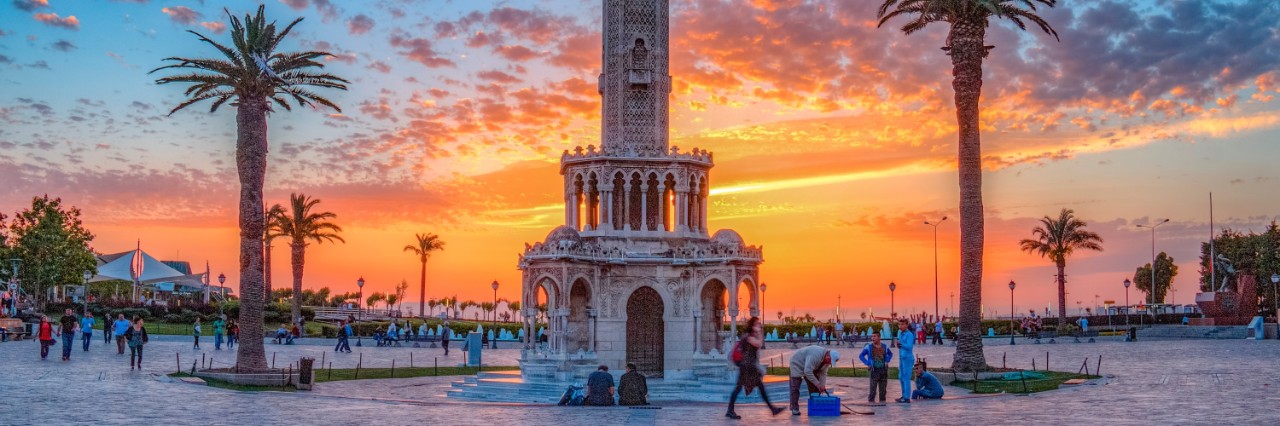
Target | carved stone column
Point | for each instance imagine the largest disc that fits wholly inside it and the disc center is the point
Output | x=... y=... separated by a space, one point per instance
x=626 y=206
x=697 y=331
x=644 y=206
x=591 y=338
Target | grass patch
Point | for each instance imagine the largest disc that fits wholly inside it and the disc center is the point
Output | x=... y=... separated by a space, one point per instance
x=337 y=374
x=1050 y=381
x=221 y=384
x=835 y=372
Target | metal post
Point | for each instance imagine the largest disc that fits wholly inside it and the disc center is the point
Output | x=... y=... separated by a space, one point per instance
x=1012 y=324
x=935 y=265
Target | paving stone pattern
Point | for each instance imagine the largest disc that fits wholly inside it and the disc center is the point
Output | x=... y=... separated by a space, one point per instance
x=1165 y=382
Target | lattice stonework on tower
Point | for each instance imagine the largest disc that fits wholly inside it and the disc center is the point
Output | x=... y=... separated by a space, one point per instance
x=634 y=275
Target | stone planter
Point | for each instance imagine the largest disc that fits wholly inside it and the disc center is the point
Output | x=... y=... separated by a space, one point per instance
x=277 y=378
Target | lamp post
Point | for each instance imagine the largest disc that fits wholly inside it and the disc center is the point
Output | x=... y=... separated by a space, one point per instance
x=1012 y=324
x=764 y=286
x=1275 y=281
x=87 y=275
x=935 y=263
x=1152 y=292
x=892 y=310
x=13 y=285
x=222 y=293
x=495 y=299
x=1126 y=302
x=360 y=303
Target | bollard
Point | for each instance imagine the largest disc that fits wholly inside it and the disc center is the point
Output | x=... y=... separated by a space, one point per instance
x=393 y=368
x=410 y=359
x=193 y=366
x=322 y=358
x=178 y=358
x=359 y=364
x=1033 y=364
x=330 y=369
x=202 y=365
x=1098 y=369
x=1046 y=360
x=1024 y=381
x=1004 y=360
x=436 y=368
x=273 y=360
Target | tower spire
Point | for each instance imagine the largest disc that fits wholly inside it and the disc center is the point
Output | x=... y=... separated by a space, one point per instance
x=635 y=83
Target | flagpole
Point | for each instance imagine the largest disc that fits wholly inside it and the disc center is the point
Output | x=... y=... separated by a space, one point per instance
x=1213 y=270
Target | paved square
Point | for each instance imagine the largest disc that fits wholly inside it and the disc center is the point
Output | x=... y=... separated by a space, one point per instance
x=1165 y=382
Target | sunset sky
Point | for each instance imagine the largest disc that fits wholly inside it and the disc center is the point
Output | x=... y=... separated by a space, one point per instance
x=833 y=139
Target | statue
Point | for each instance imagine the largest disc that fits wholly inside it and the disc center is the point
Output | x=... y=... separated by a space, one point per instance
x=1221 y=263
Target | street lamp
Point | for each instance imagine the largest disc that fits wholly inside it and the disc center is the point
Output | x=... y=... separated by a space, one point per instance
x=892 y=310
x=764 y=286
x=1126 y=301
x=1152 y=291
x=935 y=264
x=1012 y=325
x=360 y=303
x=13 y=285
x=1275 y=280
x=495 y=300
x=87 y=275
x=222 y=293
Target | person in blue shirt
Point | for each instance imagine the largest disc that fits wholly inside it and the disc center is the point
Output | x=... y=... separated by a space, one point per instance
x=876 y=356
x=118 y=329
x=927 y=386
x=906 y=343
x=86 y=329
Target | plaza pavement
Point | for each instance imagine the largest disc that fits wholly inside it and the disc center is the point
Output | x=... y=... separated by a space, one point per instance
x=1167 y=382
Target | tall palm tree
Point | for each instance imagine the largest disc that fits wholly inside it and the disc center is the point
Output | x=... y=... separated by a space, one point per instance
x=427 y=243
x=267 y=235
x=301 y=225
x=1057 y=239
x=966 y=44
x=251 y=75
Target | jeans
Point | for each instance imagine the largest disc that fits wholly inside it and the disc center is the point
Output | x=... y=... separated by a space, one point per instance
x=217 y=341
x=795 y=391
x=67 y=338
x=87 y=338
x=905 y=364
x=879 y=384
x=926 y=394
x=342 y=344
x=120 y=344
x=135 y=352
x=231 y=341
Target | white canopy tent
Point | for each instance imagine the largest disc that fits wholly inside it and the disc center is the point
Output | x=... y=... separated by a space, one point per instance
x=140 y=268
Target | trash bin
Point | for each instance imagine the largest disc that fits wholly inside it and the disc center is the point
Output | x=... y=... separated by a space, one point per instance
x=1133 y=334
x=305 y=376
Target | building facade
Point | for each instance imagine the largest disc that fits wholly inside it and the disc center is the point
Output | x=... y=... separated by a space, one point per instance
x=633 y=275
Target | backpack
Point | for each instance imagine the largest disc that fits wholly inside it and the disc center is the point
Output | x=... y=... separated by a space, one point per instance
x=735 y=355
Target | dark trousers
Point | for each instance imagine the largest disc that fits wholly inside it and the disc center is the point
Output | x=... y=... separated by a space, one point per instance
x=120 y=344
x=44 y=348
x=733 y=397
x=67 y=338
x=937 y=338
x=795 y=391
x=197 y=340
x=87 y=338
x=135 y=353
x=343 y=344
x=879 y=384
x=445 y=343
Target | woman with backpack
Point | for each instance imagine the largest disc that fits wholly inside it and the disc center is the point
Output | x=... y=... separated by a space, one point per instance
x=136 y=335
x=44 y=333
x=746 y=355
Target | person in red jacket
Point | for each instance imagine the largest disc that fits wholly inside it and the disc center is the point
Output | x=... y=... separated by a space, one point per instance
x=44 y=333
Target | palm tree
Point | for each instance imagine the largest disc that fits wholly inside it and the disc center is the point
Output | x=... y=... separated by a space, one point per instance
x=968 y=20
x=373 y=299
x=267 y=235
x=1057 y=239
x=427 y=243
x=251 y=75
x=515 y=309
x=301 y=225
x=431 y=304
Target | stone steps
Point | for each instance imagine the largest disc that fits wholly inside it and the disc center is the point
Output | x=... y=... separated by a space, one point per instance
x=1193 y=332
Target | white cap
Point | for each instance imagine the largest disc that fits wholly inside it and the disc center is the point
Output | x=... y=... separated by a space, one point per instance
x=835 y=356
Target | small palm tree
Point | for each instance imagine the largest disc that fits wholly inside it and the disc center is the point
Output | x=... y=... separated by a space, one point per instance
x=427 y=243
x=374 y=299
x=251 y=75
x=301 y=225
x=515 y=309
x=966 y=44
x=273 y=226
x=1057 y=239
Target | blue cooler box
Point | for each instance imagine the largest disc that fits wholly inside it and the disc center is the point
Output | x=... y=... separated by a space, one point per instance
x=824 y=406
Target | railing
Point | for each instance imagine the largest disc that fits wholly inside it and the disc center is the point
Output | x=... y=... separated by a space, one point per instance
x=331 y=314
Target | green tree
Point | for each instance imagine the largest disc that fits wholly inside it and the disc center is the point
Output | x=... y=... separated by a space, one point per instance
x=427 y=243
x=400 y=291
x=515 y=309
x=1166 y=270
x=1057 y=239
x=53 y=245
x=374 y=298
x=251 y=75
x=966 y=44
x=302 y=226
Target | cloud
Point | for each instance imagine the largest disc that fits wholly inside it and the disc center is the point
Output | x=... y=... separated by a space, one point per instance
x=63 y=45
x=5 y=60
x=360 y=24
x=379 y=66
x=52 y=19
x=182 y=15
x=216 y=27
x=296 y=4
x=420 y=50
x=30 y=5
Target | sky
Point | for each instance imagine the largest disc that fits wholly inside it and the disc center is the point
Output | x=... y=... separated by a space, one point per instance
x=834 y=140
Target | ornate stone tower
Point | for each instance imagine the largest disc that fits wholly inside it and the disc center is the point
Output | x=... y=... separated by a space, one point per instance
x=633 y=275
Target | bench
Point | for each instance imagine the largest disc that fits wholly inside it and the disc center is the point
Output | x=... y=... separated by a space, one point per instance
x=796 y=341
x=854 y=339
x=13 y=327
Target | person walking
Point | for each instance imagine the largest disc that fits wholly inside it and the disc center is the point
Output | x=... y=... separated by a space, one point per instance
x=750 y=372
x=119 y=327
x=195 y=332
x=346 y=340
x=106 y=328
x=67 y=328
x=233 y=334
x=876 y=356
x=809 y=365
x=44 y=333
x=219 y=328
x=445 y=335
x=86 y=329
x=136 y=334
x=342 y=336
x=906 y=344
x=937 y=332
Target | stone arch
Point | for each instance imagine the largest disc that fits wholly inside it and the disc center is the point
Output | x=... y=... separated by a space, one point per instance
x=668 y=204
x=576 y=187
x=753 y=293
x=617 y=208
x=646 y=316
x=637 y=194
x=712 y=305
x=577 y=334
x=653 y=202
x=592 y=203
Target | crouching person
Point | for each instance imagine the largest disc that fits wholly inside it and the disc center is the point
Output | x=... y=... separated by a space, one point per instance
x=927 y=386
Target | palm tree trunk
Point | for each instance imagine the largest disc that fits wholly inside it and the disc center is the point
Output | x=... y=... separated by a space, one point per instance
x=297 y=251
x=422 y=290
x=1062 y=293
x=251 y=164
x=967 y=52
